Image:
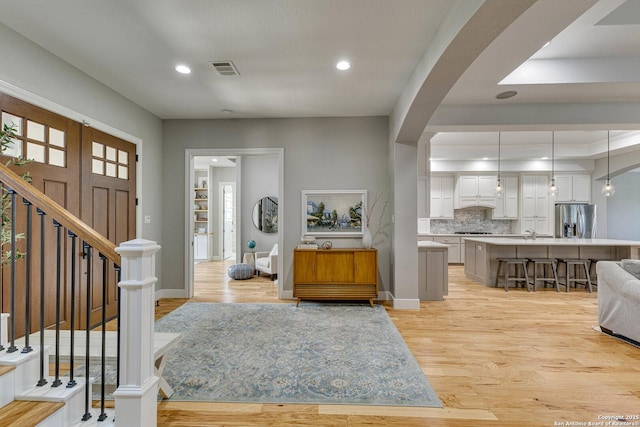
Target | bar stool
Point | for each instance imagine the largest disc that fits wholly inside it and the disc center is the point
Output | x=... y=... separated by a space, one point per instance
x=570 y=265
x=507 y=262
x=546 y=278
x=593 y=273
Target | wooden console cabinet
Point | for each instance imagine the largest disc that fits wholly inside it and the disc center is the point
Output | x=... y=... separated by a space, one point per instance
x=335 y=274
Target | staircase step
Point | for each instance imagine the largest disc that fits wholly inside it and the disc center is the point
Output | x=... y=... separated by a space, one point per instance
x=7 y=381
x=25 y=413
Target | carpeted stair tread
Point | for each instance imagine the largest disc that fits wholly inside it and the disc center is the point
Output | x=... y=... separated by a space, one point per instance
x=27 y=413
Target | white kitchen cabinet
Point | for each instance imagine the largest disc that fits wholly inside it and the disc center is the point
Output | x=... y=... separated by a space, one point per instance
x=475 y=190
x=455 y=253
x=535 y=204
x=507 y=203
x=441 y=197
x=200 y=247
x=574 y=188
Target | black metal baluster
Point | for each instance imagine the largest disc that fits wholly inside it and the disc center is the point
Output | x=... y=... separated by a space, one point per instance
x=72 y=327
x=87 y=251
x=58 y=226
x=12 y=310
x=27 y=309
x=42 y=381
x=103 y=356
x=118 y=279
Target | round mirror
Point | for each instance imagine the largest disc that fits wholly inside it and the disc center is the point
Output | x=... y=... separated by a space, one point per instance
x=265 y=214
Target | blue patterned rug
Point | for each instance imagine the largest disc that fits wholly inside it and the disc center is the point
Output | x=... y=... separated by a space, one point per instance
x=280 y=353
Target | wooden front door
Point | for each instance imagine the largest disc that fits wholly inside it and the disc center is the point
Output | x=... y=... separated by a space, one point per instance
x=108 y=203
x=61 y=167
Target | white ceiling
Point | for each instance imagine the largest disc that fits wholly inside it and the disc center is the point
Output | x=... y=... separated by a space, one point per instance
x=286 y=50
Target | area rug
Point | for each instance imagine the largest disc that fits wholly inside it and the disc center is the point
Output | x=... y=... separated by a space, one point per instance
x=280 y=353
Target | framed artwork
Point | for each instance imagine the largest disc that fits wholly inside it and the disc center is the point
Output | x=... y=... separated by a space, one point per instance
x=333 y=213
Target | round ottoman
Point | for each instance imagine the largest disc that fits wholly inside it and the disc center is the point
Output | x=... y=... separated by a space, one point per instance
x=240 y=271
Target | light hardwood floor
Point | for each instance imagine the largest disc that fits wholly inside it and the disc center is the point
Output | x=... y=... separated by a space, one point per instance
x=494 y=358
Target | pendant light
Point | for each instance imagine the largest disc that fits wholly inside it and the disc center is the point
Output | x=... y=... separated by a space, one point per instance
x=608 y=188
x=499 y=186
x=553 y=188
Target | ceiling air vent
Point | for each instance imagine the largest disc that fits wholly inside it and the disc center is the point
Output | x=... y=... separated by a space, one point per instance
x=225 y=68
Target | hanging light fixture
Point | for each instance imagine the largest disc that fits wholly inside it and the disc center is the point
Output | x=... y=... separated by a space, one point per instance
x=499 y=186
x=553 y=188
x=608 y=188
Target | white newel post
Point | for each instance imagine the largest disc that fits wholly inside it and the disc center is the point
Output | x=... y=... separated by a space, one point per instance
x=136 y=397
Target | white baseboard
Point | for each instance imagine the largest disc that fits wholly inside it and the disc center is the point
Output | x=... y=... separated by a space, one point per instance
x=406 y=304
x=286 y=295
x=170 y=293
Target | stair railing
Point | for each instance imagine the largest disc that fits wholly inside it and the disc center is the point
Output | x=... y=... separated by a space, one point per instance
x=137 y=254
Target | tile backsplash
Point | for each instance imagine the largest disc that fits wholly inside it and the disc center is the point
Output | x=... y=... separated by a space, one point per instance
x=471 y=219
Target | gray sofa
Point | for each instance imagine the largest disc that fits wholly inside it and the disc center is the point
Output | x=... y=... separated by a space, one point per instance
x=619 y=298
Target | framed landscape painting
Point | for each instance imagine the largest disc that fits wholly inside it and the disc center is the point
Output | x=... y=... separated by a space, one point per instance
x=333 y=213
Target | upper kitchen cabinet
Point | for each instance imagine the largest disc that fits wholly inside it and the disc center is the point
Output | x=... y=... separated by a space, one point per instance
x=535 y=204
x=574 y=188
x=507 y=203
x=475 y=190
x=441 y=197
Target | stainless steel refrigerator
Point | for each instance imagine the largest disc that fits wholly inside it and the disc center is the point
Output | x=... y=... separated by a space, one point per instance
x=575 y=220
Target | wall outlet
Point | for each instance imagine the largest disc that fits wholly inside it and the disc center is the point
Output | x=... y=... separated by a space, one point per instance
x=147 y=219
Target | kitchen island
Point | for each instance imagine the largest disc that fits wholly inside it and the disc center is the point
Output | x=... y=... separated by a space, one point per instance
x=481 y=253
x=433 y=276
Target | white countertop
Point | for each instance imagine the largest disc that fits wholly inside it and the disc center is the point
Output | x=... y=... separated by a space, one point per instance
x=432 y=245
x=502 y=241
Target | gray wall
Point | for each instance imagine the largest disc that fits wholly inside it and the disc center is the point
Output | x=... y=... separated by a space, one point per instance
x=319 y=153
x=34 y=71
x=623 y=208
x=259 y=179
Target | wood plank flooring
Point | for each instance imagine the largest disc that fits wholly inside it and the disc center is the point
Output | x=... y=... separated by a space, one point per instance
x=494 y=358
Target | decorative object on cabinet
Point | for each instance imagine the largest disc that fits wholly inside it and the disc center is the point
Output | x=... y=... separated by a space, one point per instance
x=499 y=187
x=335 y=274
x=327 y=245
x=608 y=189
x=336 y=213
x=265 y=214
x=553 y=188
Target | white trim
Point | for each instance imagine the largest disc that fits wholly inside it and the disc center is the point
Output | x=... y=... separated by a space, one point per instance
x=406 y=304
x=286 y=294
x=190 y=153
x=61 y=110
x=170 y=293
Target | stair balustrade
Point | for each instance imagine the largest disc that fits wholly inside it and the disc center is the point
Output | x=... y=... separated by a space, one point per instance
x=133 y=272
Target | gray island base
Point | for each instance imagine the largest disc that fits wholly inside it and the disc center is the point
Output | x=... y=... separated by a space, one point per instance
x=481 y=253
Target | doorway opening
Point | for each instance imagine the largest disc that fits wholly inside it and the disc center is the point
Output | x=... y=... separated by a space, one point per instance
x=224 y=207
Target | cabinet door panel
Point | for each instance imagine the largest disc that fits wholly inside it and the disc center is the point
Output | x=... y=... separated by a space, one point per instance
x=335 y=267
x=366 y=267
x=304 y=268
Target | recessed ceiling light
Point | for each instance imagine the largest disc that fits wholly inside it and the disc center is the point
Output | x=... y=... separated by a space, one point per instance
x=506 y=94
x=343 y=65
x=485 y=158
x=544 y=158
x=214 y=160
x=183 y=69
x=546 y=44
x=227 y=111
